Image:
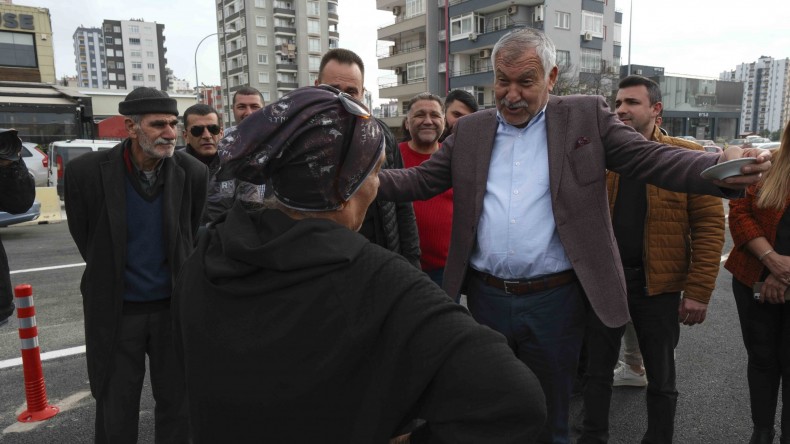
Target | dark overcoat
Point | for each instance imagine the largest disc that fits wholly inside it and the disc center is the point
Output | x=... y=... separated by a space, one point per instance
x=95 y=197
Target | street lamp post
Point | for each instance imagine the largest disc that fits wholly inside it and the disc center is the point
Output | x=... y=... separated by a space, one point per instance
x=197 y=83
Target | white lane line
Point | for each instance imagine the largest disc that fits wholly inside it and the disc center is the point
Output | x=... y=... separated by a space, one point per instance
x=45 y=356
x=54 y=267
x=71 y=402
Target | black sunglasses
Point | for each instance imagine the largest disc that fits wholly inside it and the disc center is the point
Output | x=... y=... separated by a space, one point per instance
x=197 y=130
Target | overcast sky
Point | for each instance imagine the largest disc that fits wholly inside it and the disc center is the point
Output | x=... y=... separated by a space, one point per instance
x=694 y=37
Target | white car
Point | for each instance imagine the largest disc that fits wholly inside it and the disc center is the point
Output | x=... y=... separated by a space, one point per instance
x=37 y=163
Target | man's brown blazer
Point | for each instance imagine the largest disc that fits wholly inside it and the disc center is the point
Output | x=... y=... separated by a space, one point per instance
x=584 y=140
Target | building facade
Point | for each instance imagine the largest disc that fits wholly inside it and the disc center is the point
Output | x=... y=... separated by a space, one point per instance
x=26 y=52
x=274 y=46
x=438 y=46
x=134 y=53
x=766 y=94
x=89 y=58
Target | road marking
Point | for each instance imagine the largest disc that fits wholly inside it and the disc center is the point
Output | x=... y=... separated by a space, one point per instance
x=54 y=267
x=45 y=356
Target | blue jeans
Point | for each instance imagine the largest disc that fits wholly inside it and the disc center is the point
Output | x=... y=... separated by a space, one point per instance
x=545 y=331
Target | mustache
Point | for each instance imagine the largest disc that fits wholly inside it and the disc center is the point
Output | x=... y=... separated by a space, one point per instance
x=163 y=141
x=520 y=104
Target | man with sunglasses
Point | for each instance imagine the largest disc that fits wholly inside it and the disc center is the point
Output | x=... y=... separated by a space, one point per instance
x=388 y=224
x=134 y=212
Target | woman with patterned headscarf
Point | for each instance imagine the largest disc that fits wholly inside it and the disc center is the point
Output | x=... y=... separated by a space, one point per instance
x=294 y=328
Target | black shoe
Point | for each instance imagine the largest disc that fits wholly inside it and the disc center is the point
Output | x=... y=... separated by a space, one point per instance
x=762 y=436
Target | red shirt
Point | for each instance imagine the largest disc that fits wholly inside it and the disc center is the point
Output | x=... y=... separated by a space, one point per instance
x=434 y=217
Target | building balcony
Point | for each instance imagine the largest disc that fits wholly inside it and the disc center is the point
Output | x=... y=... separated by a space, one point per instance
x=398 y=57
x=332 y=16
x=287 y=85
x=283 y=30
x=289 y=67
x=409 y=89
x=334 y=34
x=396 y=29
x=472 y=77
x=283 y=12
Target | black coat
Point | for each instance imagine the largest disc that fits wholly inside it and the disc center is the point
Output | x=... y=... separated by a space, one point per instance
x=303 y=331
x=95 y=205
x=17 y=192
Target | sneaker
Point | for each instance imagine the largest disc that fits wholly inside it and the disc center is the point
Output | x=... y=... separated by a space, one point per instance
x=624 y=376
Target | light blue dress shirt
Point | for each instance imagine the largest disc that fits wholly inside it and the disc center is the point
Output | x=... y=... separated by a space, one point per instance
x=517 y=237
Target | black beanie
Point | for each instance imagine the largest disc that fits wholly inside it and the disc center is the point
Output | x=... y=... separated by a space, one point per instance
x=146 y=100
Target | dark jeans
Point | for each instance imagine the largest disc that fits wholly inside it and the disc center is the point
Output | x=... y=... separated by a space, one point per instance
x=545 y=330
x=766 y=336
x=118 y=406
x=658 y=331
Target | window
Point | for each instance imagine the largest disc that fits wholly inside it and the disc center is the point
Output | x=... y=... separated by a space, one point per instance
x=119 y=65
x=151 y=66
x=313 y=62
x=110 y=53
x=134 y=29
x=111 y=76
x=109 y=41
x=312 y=78
x=497 y=23
x=111 y=64
x=118 y=53
x=563 y=59
x=313 y=8
x=260 y=21
x=263 y=77
x=592 y=23
x=414 y=7
x=562 y=20
x=149 y=42
x=116 y=29
x=266 y=96
x=17 y=49
x=262 y=40
x=313 y=26
x=134 y=41
x=260 y=3
x=121 y=78
x=137 y=65
x=415 y=70
x=151 y=78
x=137 y=77
x=135 y=54
x=590 y=60
x=149 y=53
x=462 y=26
x=314 y=44
x=263 y=59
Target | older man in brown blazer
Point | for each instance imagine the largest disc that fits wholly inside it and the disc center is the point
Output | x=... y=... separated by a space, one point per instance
x=531 y=233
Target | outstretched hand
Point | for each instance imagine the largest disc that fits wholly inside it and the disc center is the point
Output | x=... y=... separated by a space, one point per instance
x=751 y=173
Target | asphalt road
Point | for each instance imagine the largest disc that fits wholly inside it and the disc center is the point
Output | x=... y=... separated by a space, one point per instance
x=713 y=405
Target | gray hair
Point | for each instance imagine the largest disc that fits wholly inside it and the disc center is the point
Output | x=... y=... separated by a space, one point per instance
x=136 y=118
x=513 y=43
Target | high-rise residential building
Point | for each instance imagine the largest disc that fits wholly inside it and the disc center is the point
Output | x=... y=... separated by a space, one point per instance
x=274 y=46
x=89 y=58
x=438 y=46
x=134 y=52
x=766 y=94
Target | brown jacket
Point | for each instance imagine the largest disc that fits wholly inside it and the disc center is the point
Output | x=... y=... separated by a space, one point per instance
x=684 y=235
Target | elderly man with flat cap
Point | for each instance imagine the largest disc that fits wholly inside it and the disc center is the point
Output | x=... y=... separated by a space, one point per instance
x=133 y=212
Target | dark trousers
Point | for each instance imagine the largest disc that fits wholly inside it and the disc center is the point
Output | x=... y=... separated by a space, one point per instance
x=545 y=330
x=118 y=406
x=658 y=331
x=766 y=336
x=6 y=294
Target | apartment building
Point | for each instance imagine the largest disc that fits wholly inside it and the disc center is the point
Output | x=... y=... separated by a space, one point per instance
x=441 y=45
x=89 y=58
x=134 y=52
x=273 y=45
x=766 y=94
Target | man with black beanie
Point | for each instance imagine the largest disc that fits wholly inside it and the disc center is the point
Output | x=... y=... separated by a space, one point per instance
x=17 y=191
x=133 y=212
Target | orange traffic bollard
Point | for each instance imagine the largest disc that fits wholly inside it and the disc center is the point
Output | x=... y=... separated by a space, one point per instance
x=38 y=408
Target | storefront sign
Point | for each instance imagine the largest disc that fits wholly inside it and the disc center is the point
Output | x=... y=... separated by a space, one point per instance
x=17 y=21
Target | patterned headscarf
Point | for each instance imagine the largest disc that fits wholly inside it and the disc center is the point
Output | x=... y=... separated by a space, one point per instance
x=316 y=146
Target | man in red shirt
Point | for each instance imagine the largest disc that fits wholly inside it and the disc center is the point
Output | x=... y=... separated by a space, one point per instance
x=425 y=122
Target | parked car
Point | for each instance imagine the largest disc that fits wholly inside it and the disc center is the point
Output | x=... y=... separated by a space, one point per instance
x=63 y=152
x=37 y=163
x=767 y=146
x=735 y=142
x=752 y=142
x=32 y=213
x=691 y=138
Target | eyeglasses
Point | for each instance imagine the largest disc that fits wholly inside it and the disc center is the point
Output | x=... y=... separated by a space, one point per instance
x=349 y=103
x=197 y=130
